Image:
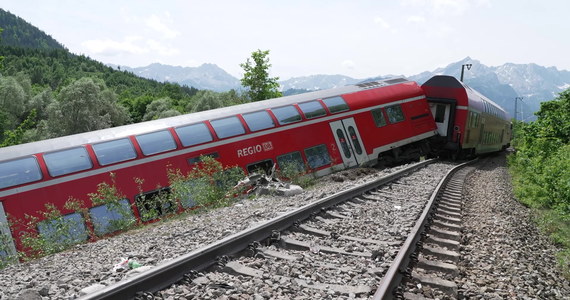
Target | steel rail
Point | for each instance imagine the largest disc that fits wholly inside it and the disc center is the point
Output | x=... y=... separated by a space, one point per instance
x=174 y=270
x=395 y=273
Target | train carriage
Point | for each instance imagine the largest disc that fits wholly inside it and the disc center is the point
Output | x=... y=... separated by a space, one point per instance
x=468 y=122
x=324 y=130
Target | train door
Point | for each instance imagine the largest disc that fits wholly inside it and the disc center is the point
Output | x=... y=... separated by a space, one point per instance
x=441 y=113
x=349 y=142
x=7 y=247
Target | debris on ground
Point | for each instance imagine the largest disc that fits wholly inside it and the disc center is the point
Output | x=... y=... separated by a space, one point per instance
x=264 y=184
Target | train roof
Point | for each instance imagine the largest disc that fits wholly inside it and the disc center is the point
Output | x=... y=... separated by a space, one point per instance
x=12 y=152
x=474 y=98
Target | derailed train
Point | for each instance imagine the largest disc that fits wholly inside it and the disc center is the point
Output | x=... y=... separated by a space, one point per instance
x=381 y=122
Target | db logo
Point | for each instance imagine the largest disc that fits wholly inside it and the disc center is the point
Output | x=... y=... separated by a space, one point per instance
x=267 y=146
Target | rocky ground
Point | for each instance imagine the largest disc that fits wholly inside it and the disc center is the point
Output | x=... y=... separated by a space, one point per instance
x=504 y=255
x=66 y=275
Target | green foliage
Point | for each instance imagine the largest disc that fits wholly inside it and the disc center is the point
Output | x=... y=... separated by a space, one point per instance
x=84 y=105
x=161 y=108
x=541 y=168
x=16 y=136
x=58 y=233
x=297 y=174
x=107 y=194
x=256 y=77
x=20 y=33
x=208 y=184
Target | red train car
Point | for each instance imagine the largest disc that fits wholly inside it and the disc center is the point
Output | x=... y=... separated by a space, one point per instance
x=468 y=123
x=326 y=130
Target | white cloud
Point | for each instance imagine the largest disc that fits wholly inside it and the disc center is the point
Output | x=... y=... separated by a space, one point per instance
x=161 y=48
x=348 y=64
x=416 y=19
x=382 y=22
x=158 y=24
x=109 y=47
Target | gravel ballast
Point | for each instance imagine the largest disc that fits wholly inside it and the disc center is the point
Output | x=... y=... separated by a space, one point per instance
x=504 y=255
x=66 y=275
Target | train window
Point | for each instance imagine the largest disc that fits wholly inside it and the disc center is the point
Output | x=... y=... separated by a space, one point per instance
x=439 y=113
x=286 y=114
x=194 y=134
x=65 y=230
x=228 y=127
x=378 y=117
x=312 y=109
x=354 y=139
x=343 y=143
x=317 y=156
x=263 y=166
x=67 y=161
x=258 y=120
x=395 y=113
x=335 y=104
x=152 y=205
x=19 y=171
x=291 y=162
x=156 y=142
x=112 y=217
x=184 y=194
x=114 y=151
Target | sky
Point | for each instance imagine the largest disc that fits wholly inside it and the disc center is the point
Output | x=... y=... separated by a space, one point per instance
x=357 y=38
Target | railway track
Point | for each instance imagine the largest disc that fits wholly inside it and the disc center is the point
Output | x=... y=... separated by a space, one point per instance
x=340 y=246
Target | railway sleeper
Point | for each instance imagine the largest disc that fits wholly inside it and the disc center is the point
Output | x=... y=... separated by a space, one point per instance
x=320 y=232
x=447 y=219
x=449 y=213
x=446 y=225
x=441 y=253
x=437 y=266
x=290 y=243
x=444 y=243
x=445 y=234
x=445 y=286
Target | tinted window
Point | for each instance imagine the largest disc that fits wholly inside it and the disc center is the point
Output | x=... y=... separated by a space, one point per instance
x=114 y=151
x=286 y=114
x=258 y=120
x=111 y=217
x=312 y=109
x=65 y=230
x=19 y=171
x=395 y=113
x=440 y=113
x=194 y=134
x=156 y=142
x=228 y=127
x=67 y=161
x=317 y=156
x=292 y=161
x=335 y=104
x=378 y=116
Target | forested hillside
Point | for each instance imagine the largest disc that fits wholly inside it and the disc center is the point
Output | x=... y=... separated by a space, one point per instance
x=46 y=91
x=18 y=32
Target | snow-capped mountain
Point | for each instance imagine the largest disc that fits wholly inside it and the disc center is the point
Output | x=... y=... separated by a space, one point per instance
x=501 y=84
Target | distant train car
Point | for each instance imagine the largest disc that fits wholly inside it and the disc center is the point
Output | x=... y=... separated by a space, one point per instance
x=326 y=130
x=468 y=123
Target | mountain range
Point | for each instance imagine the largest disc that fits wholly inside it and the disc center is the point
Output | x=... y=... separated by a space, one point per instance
x=501 y=84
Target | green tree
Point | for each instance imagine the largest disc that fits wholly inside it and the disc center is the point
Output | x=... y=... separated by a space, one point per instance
x=256 y=77
x=160 y=108
x=206 y=100
x=84 y=105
